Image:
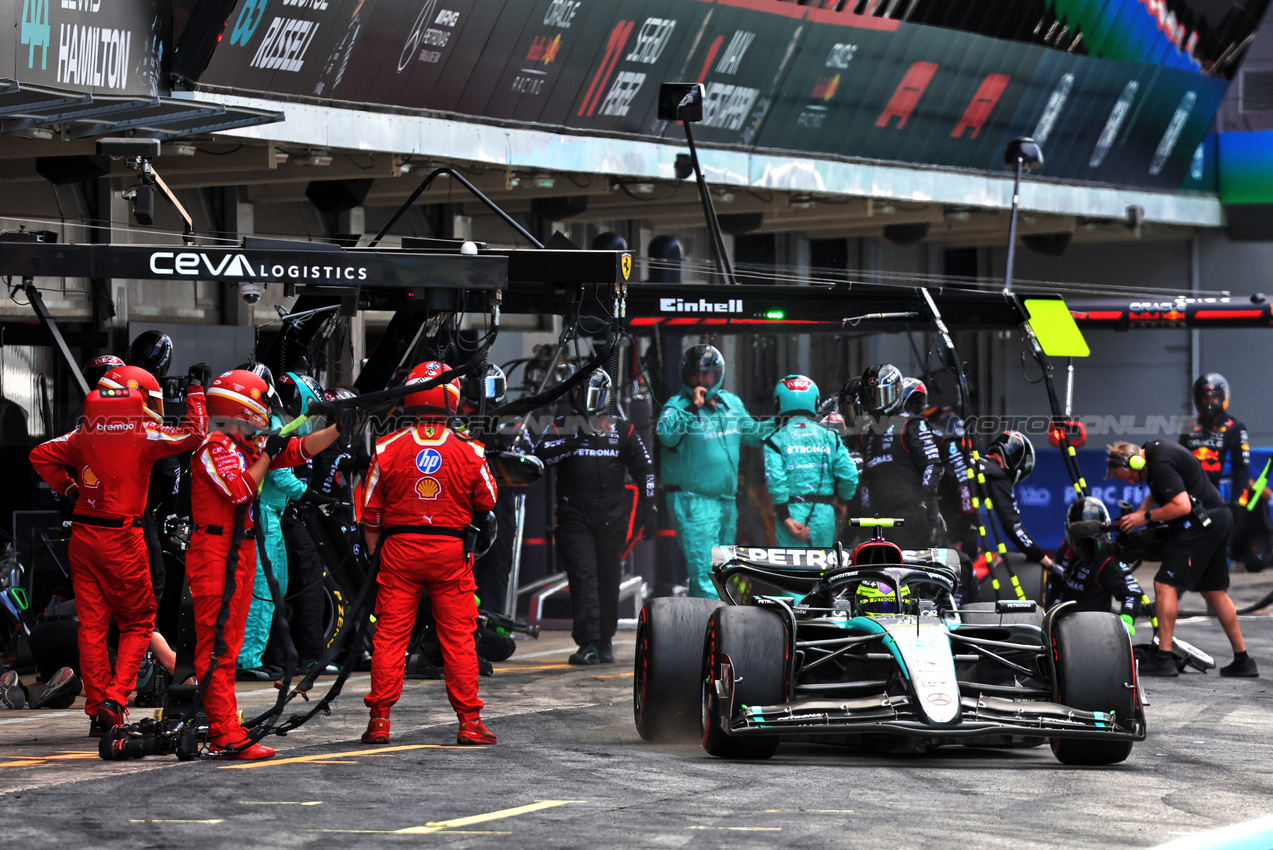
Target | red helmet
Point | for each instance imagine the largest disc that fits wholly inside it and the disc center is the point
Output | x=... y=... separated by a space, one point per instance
x=240 y=395
x=135 y=378
x=443 y=397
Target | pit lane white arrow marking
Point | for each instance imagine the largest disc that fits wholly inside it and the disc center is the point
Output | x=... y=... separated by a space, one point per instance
x=439 y=826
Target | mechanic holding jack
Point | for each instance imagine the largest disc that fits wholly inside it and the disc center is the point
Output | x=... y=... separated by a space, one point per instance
x=700 y=431
x=1196 y=554
x=429 y=492
x=122 y=435
x=806 y=468
x=596 y=518
x=227 y=471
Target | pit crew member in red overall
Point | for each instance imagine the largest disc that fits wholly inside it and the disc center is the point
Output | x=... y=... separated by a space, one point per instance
x=426 y=486
x=112 y=451
x=226 y=472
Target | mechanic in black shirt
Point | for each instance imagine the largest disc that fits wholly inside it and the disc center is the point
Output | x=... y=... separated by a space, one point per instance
x=955 y=495
x=1089 y=567
x=1196 y=554
x=1009 y=461
x=596 y=515
x=901 y=466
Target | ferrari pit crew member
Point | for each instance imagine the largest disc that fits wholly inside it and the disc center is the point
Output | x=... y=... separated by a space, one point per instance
x=1009 y=461
x=1196 y=554
x=226 y=471
x=1092 y=573
x=700 y=431
x=596 y=514
x=112 y=451
x=806 y=467
x=426 y=488
x=901 y=466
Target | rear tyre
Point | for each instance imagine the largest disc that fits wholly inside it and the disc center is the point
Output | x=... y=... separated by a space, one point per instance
x=1093 y=658
x=669 y=654
x=755 y=642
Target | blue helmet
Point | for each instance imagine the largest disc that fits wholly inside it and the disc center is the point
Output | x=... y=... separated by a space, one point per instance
x=796 y=394
x=699 y=364
x=298 y=393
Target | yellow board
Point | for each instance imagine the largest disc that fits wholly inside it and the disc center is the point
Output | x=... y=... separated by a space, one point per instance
x=1055 y=328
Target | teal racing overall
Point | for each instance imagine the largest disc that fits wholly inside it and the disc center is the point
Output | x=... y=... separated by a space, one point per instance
x=807 y=465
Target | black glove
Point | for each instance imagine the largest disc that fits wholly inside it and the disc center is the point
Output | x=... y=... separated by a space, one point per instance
x=313 y=497
x=276 y=445
x=199 y=375
x=650 y=524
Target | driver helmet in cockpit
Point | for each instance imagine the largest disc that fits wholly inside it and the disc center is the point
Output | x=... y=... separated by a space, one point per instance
x=877 y=599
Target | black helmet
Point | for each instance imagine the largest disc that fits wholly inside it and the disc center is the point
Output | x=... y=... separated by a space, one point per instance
x=263 y=372
x=97 y=367
x=492 y=386
x=593 y=395
x=1083 y=521
x=1211 y=396
x=850 y=401
x=881 y=390
x=1017 y=454
x=700 y=360
x=152 y=351
x=608 y=240
x=914 y=397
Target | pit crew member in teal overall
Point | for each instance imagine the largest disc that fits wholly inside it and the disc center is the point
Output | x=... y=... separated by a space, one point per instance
x=280 y=487
x=806 y=467
x=700 y=431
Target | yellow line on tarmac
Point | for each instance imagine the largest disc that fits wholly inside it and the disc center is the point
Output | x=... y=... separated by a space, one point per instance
x=440 y=825
x=321 y=757
x=526 y=669
x=615 y=676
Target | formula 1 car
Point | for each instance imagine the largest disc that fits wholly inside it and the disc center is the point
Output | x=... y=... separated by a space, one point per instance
x=868 y=648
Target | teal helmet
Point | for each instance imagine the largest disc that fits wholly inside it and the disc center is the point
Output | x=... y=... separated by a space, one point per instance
x=299 y=393
x=796 y=394
x=702 y=366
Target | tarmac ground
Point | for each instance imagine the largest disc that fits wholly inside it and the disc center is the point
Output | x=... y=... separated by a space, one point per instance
x=570 y=771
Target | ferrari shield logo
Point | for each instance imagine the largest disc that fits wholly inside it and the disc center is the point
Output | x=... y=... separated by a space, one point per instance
x=625 y=265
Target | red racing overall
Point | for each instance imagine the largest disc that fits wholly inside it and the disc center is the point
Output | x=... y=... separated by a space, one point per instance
x=219 y=485
x=426 y=475
x=110 y=565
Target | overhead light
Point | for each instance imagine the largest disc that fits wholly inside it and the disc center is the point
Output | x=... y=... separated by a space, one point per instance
x=400 y=167
x=318 y=158
x=801 y=202
x=512 y=180
x=883 y=209
x=41 y=133
x=643 y=188
x=177 y=149
x=953 y=214
x=280 y=157
x=544 y=181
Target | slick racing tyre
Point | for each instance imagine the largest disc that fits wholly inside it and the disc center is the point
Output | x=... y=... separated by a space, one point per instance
x=335 y=611
x=984 y=614
x=669 y=654
x=754 y=642
x=1093 y=657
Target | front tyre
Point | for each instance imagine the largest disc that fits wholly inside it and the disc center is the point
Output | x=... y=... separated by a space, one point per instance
x=1093 y=658
x=750 y=646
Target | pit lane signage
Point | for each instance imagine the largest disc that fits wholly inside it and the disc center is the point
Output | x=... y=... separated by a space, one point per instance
x=702 y=305
x=200 y=265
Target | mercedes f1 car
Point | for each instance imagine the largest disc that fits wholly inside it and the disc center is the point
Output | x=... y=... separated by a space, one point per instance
x=869 y=648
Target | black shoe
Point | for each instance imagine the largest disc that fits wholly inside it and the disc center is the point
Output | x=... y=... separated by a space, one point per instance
x=586 y=655
x=98 y=726
x=58 y=692
x=1159 y=664
x=1244 y=669
x=12 y=696
x=255 y=674
x=605 y=652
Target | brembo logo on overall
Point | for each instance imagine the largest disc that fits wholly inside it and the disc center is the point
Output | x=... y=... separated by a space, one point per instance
x=197 y=264
x=702 y=305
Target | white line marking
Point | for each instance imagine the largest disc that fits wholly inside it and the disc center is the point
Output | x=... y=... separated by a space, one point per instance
x=565 y=650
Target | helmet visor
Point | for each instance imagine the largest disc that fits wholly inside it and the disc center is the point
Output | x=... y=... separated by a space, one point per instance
x=882 y=397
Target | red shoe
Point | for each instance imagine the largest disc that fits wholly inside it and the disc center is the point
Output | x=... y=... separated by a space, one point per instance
x=377 y=731
x=226 y=749
x=473 y=732
x=111 y=714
